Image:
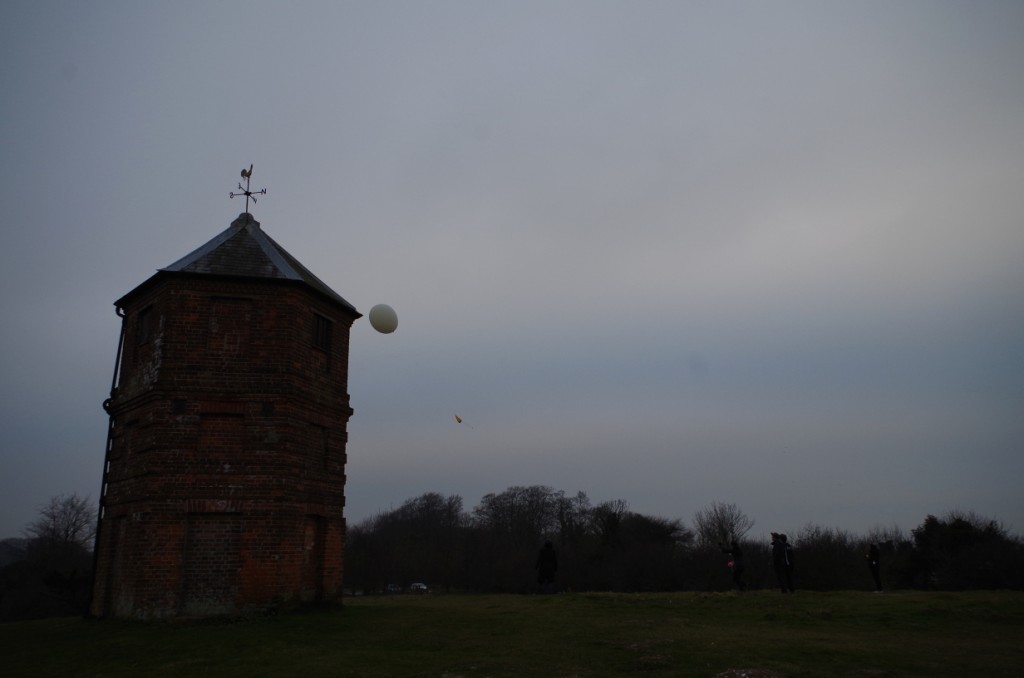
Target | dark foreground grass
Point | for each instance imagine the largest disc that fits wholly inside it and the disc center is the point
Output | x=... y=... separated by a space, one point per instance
x=675 y=634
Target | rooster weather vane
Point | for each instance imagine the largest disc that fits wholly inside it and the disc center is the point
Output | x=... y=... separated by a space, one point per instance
x=247 y=175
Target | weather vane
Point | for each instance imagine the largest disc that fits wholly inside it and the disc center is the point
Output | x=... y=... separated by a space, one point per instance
x=247 y=175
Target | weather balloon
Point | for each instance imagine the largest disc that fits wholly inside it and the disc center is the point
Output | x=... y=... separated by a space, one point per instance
x=383 y=319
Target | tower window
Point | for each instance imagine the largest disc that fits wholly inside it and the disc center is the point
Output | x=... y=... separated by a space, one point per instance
x=144 y=329
x=321 y=332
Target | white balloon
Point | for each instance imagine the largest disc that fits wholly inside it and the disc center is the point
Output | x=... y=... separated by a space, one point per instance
x=383 y=319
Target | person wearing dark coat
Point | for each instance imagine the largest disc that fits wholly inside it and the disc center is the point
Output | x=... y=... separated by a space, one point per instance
x=782 y=562
x=736 y=552
x=874 y=565
x=546 y=566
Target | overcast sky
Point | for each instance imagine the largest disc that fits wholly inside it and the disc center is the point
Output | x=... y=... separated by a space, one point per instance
x=768 y=253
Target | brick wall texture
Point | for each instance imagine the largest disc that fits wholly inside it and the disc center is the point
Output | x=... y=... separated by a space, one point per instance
x=225 y=471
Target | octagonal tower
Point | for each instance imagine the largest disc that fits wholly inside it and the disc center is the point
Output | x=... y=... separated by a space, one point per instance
x=223 y=484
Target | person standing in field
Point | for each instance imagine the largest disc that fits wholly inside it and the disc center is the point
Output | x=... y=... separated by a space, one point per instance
x=736 y=552
x=782 y=562
x=788 y=551
x=546 y=566
x=875 y=566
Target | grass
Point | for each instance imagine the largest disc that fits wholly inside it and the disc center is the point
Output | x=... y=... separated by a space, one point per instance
x=601 y=634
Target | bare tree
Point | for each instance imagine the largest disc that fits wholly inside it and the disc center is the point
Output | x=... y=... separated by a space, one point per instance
x=64 y=529
x=526 y=515
x=606 y=518
x=721 y=523
x=573 y=515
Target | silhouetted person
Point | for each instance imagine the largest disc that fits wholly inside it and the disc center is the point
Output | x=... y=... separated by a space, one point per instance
x=736 y=552
x=874 y=565
x=789 y=563
x=782 y=562
x=546 y=566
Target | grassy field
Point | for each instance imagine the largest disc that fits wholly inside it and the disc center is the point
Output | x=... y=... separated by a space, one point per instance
x=600 y=634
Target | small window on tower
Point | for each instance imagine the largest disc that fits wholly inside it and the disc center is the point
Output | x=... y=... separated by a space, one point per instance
x=144 y=329
x=321 y=333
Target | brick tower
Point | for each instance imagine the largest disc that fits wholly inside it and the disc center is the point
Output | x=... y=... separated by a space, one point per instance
x=223 y=485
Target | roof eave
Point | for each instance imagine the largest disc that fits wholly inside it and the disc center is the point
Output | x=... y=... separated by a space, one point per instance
x=161 y=274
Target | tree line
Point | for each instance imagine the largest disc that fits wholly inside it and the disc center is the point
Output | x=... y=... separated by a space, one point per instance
x=608 y=547
x=600 y=547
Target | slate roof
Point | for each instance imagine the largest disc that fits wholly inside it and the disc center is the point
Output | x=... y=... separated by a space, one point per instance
x=244 y=250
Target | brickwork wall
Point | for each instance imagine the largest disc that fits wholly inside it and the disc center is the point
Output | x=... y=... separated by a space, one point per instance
x=224 y=490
